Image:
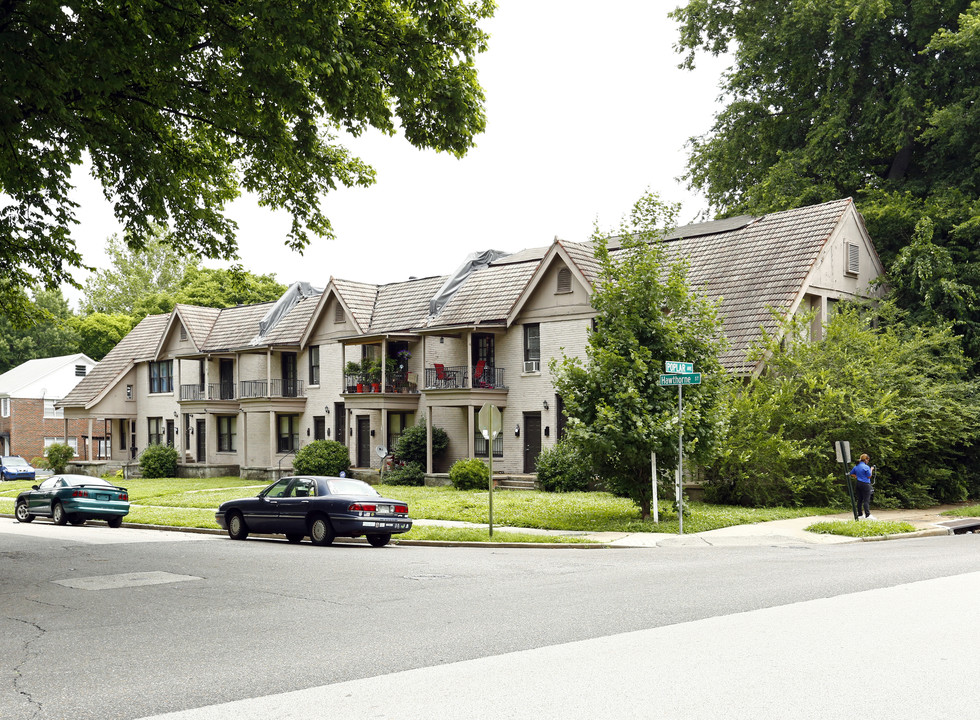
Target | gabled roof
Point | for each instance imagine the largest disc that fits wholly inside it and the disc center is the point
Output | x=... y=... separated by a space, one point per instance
x=139 y=345
x=33 y=371
x=358 y=299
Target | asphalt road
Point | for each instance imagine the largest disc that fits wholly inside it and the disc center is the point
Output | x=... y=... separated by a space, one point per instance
x=100 y=623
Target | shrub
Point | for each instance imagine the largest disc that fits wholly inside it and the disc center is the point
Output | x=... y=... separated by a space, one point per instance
x=472 y=474
x=159 y=461
x=562 y=469
x=58 y=456
x=411 y=445
x=408 y=474
x=322 y=457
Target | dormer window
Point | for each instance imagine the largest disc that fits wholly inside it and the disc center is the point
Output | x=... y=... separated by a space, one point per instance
x=564 y=281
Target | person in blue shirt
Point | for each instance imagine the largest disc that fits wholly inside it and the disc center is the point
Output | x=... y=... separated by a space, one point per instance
x=862 y=473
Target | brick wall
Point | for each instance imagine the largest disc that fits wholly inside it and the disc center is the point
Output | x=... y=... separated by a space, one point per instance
x=28 y=427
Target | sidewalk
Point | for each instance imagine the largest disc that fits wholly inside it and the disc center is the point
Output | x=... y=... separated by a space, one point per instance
x=790 y=532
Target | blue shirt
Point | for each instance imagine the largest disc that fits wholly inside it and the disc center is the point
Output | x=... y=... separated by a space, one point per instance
x=862 y=471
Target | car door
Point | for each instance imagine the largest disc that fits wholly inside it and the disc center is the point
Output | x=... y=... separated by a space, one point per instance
x=295 y=506
x=39 y=501
x=262 y=512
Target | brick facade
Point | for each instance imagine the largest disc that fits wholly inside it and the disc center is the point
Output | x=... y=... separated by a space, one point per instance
x=27 y=427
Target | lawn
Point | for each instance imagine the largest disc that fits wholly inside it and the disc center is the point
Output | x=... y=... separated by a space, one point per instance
x=862 y=528
x=191 y=503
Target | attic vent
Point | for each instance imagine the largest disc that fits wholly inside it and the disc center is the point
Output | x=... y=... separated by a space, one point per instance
x=853 y=258
x=564 y=281
x=183 y=333
x=338 y=313
x=79 y=371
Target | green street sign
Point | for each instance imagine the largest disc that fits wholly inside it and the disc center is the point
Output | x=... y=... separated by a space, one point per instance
x=674 y=367
x=685 y=379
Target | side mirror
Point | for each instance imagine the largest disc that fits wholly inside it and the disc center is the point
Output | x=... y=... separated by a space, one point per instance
x=35 y=487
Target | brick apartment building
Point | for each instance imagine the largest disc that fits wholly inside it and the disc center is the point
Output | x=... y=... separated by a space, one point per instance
x=29 y=420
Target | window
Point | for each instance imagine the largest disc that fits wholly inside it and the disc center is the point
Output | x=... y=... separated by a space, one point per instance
x=314 y=364
x=162 y=376
x=123 y=429
x=532 y=348
x=227 y=426
x=4 y=407
x=129 y=392
x=80 y=371
x=481 y=446
x=853 y=258
x=72 y=443
x=288 y=433
x=50 y=411
x=154 y=431
x=564 y=281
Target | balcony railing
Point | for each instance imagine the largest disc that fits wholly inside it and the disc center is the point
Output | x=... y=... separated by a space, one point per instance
x=191 y=392
x=221 y=391
x=455 y=377
x=397 y=382
x=277 y=388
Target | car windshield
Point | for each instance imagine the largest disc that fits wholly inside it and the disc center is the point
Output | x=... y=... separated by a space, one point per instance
x=84 y=480
x=15 y=462
x=341 y=486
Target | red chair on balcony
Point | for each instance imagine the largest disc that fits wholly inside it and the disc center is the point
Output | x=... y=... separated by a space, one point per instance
x=478 y=379
x=442 y=377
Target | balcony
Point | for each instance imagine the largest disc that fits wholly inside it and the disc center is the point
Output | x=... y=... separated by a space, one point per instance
x=485 y=377
x=215 y=391
x=397 y=382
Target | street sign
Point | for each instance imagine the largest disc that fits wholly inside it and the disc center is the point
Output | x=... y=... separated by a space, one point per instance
x=489 y=421
x=685 y=379
x=674 y=367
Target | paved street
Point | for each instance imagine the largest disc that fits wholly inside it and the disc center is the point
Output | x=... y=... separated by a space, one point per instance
x=129 y=623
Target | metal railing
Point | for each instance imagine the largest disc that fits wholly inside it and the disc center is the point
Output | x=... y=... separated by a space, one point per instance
x=191 y=392
x=455 y=377
x=397 y=382
x=277 y=388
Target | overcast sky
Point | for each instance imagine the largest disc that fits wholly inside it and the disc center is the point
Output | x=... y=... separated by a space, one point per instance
x=586 y=110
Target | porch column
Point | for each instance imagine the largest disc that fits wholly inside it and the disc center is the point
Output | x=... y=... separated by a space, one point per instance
x=384 y=371
x=272 y=438
x=469 y=361
x=66 y=431
x=88 y=449
x=428 y=441
x=244 y=440
x=177 y=378
x=471 y=432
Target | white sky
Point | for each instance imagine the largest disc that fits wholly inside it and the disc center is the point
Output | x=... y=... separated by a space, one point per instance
x=586 y=110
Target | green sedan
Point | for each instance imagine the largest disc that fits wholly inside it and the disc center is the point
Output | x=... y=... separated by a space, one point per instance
x=74 y=499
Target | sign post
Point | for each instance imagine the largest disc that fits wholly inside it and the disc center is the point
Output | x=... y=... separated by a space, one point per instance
x=490 y=425
x=843 y=450
x=679 y=374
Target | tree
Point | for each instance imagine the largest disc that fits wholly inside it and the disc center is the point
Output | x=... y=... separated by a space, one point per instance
x=153 y=268
x=874 y=100
x=181 y=105
x=647 y=314
x=892 y=388
x=222 y=288
x=98 y=333
x=49 y=332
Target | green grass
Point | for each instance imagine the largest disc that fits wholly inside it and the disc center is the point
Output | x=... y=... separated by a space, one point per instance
x=968 y=511
x=862 y=528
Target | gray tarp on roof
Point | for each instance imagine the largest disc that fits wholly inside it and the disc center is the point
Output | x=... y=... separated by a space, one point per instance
x=473 y=262
x=296 y=292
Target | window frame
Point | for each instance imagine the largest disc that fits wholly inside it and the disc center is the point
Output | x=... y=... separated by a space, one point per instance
x=313 y=358
x=227 y=433
x=161 y=377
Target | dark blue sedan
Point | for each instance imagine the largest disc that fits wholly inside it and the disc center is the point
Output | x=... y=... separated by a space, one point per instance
x=317 y=507
x=14 y=467
x=74 y=499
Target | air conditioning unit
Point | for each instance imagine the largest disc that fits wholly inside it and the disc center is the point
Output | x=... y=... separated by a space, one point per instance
x=531 y=366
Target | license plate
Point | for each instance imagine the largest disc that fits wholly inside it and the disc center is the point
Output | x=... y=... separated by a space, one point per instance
x=101 y=497
x=384 y=509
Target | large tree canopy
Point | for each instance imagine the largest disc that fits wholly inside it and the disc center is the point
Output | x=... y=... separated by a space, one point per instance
x=874 y=99
x=181 y=104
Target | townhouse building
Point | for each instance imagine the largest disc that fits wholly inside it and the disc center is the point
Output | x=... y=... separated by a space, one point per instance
x=240 y=390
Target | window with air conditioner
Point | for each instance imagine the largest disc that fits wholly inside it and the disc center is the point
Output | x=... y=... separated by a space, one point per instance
x=532 y=348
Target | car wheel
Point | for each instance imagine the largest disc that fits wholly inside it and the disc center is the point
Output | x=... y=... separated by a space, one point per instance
x=379 y=540
x=76 y=520
x=58 y=514
x=237 y=529
x=321 y=531
x=22 y=514
x=294 y=537
x=115 y=522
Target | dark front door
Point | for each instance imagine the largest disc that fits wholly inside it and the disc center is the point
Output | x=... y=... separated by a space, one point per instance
x=532 y=441
x=170 y=433
x=226 y=376
x=289 y=374
x=363 y=441
x=202 y=441
x=339 y=418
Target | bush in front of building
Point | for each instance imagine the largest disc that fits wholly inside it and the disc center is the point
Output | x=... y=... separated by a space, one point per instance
x=322 y=457
x=471 y=474
x=411 y=474
x=411 y=445
x=562 y=469
x=58 y=456
x=159 y=461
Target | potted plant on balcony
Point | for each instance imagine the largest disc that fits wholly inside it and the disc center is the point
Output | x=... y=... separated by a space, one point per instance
x=352 y=372
x=372 y=372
